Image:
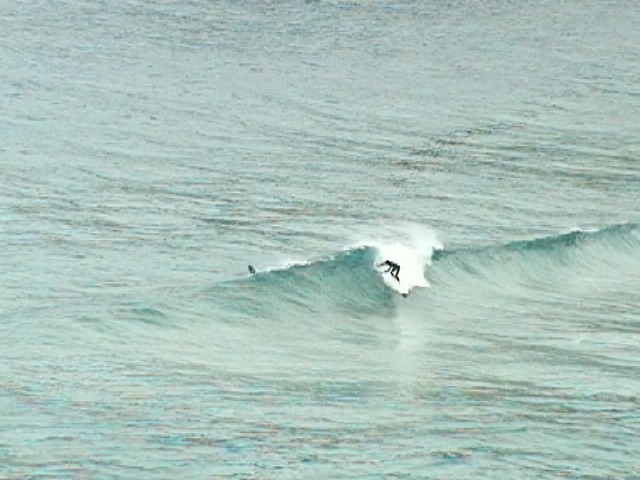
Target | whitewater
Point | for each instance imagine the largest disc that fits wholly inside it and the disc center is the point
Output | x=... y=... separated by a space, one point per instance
x=151 y=151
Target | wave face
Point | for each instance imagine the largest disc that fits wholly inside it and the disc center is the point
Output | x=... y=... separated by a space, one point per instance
x=578 y=252
x=346 y=282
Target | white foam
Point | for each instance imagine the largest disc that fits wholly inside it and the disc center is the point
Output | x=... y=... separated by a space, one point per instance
x=410 y=246
x=411 y=263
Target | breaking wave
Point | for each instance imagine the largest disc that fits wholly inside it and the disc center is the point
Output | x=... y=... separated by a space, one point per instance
x=348 y=282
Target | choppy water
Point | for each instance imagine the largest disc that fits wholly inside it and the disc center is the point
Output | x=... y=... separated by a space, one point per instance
x=150 y=151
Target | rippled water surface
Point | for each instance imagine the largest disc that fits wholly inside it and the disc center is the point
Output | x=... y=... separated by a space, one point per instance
x=150 y=151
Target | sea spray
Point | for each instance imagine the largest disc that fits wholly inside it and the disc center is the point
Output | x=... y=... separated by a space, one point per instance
x=411 y=246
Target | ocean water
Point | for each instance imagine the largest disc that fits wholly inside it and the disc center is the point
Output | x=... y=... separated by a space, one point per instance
x=151 y=151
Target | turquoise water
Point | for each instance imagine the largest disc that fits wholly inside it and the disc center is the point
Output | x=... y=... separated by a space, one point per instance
x=152 y=150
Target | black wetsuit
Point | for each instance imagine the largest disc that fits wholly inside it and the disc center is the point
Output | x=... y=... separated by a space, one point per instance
x=392 y=268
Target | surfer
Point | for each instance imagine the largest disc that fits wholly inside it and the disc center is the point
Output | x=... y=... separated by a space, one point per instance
x=392 y=267
x=252 y=270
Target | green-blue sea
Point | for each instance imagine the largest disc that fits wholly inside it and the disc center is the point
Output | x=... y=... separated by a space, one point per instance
x=150 y=152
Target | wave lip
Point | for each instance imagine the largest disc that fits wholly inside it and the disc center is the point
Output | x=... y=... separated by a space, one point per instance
x=623 y=236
